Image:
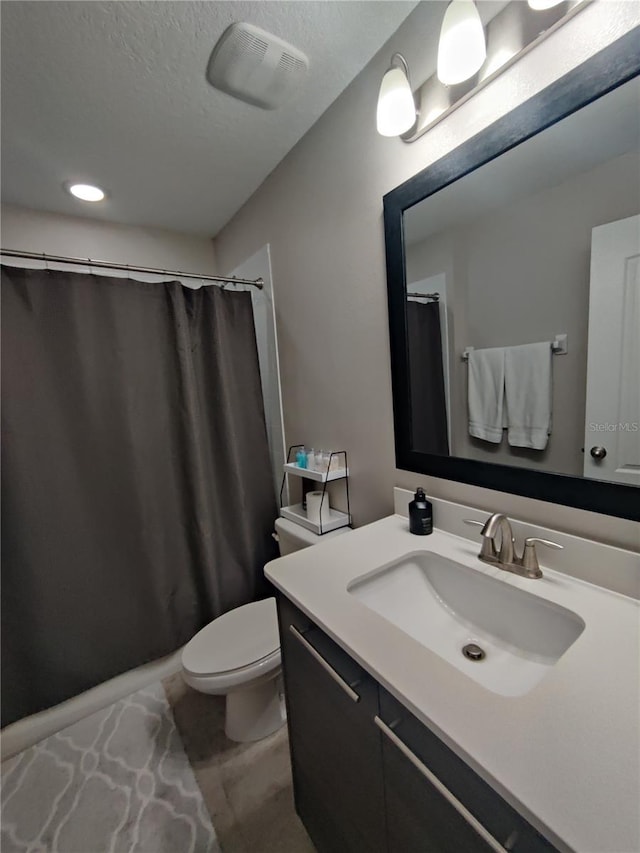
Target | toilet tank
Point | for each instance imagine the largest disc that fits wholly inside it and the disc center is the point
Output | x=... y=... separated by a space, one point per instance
x=292 y=537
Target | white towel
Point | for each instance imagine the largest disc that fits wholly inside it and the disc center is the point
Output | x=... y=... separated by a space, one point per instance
x=486 y=393
x=528 y=390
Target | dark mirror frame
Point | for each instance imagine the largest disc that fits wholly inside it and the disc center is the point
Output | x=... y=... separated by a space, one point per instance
x=606 y=70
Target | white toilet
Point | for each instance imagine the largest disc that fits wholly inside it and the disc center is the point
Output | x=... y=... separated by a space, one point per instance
x=238 y=654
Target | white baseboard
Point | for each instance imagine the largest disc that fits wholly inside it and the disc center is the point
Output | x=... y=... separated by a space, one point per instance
x=28 y=731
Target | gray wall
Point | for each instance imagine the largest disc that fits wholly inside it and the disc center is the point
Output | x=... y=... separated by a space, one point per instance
x=321 y=212
x=76 y=236
x=520 y=275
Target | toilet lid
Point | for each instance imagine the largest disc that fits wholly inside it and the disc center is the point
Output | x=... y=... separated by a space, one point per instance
x=234 y=640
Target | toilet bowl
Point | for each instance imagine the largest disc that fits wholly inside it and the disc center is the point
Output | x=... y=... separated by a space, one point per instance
x=238 y=655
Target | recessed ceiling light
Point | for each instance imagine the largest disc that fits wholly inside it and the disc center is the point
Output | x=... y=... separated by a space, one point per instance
x=86 y=192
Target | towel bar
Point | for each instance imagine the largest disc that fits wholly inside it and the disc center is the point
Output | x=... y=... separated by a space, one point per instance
x=559 y=346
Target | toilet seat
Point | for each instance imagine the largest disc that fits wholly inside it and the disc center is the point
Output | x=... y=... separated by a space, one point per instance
x=236 y=643
x=236 y=679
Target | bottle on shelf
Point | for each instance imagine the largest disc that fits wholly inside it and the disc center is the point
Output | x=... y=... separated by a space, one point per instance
x=311 y=459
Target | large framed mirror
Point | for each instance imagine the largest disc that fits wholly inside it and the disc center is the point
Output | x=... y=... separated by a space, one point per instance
x=513 y=273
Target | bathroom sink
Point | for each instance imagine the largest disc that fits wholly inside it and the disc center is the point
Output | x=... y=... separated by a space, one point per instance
x=501 y=636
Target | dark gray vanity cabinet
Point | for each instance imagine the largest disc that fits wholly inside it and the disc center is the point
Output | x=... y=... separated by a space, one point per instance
x=435 y=802
x=419 y=817
x=335 y=746
x=368 y=775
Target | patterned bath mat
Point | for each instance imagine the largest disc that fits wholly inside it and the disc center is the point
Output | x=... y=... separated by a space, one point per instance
x=116 y=782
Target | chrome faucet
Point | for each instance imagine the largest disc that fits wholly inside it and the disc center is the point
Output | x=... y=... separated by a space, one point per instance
x=505 y=557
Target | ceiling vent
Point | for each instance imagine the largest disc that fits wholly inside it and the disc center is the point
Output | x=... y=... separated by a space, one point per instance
x=255 y=66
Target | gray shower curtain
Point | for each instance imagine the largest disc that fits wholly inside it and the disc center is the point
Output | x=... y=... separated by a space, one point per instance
x=136 y=489
x=426 y=379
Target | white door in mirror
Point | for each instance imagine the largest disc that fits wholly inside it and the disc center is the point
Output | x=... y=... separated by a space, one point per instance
x=612 y=429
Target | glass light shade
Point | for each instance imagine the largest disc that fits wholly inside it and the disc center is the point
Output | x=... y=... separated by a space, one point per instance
x=396 y=111
x=462 y=48
x=538 y=5
x=86 y=192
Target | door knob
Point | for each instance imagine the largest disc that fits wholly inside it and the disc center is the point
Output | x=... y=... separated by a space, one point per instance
x=598 y=452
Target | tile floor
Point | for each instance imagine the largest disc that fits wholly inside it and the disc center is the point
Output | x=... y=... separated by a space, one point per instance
x=247 y=787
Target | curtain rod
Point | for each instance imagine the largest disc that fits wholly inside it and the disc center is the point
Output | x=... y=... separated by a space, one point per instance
x=87 y=262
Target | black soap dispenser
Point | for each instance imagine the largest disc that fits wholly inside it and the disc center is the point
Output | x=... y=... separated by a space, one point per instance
x=420 y=514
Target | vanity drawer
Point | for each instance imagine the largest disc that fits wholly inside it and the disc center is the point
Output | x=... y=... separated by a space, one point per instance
x=500 y=821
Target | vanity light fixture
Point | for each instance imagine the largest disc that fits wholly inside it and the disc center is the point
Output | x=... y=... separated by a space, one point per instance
x=85 y=192
x=462 y=48
x=396 y=113
x=539 y=5
x=470 y=56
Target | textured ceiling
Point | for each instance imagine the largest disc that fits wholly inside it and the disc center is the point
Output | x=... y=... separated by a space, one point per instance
x=114 y=93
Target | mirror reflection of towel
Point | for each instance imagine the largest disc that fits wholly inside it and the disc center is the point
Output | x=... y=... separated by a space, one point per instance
x=486 y=389
x=528 y=391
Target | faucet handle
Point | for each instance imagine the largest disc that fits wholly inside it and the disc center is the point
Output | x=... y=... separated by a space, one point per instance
x=529 y=556
x=533 y=539
x=473 y=522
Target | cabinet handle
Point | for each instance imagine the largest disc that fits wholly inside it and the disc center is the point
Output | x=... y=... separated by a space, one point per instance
x=437 y=784
x=323 y=663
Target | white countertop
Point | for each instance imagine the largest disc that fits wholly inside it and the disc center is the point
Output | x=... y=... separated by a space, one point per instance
x=566 y=755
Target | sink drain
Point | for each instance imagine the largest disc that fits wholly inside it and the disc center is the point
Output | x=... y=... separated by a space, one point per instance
x=473 y=652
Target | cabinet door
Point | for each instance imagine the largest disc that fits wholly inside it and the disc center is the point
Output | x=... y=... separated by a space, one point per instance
x=335 y=744
x=435 y=802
